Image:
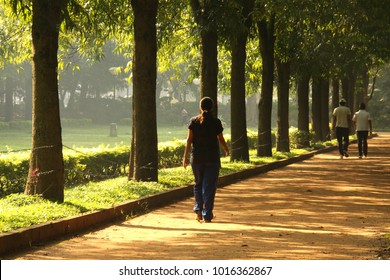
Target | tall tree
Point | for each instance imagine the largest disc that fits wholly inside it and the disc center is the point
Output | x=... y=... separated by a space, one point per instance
x=205 y=17
x=144 y=90
x=320 y=108
x=282 y=136
x=239 y=138
x=266 y=28
x=303 y=88
x=46 y=171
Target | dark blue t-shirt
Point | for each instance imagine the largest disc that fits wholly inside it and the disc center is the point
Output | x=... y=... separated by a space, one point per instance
x=205 y=146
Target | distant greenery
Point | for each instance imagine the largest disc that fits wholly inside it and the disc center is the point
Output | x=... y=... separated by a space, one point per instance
x=19 y=211
x=18 y=136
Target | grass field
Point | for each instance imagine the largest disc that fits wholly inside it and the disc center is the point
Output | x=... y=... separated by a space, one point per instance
x=86 y=136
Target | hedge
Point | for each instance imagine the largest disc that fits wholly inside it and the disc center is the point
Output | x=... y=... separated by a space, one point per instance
x=84 y=165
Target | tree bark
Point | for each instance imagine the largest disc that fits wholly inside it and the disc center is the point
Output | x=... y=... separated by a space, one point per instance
x=203 y=11
x=316 y=108
x=348 y=89
x=362 y=88
x=267 y=42
x=335 y=93
x=282 y=137
x=144 y=90
x=209 y=68
x=239 y=137
x=303 y=109
x=46 y=171
x=325 y=131
x=132 y=152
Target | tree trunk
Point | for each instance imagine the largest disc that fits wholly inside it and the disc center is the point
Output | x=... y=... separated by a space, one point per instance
x=239 y=138
x=335 y=93
x=267 y=42
x=303 y=110
x=325 y=131
x=46 y=171
x=282 y=137
x=316 y=108
x=348 y=89
x=144 y=90
x=361 y=88
x=209 y=68
x=203 y=14
x=132 y=152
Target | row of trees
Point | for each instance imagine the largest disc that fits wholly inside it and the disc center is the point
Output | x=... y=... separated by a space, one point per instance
x=326 y=43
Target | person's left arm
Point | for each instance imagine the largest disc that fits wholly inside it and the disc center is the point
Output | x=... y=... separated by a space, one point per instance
x=370 y=125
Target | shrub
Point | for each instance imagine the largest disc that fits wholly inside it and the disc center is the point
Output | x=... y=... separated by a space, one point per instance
x=299 y=139
x=13 y=171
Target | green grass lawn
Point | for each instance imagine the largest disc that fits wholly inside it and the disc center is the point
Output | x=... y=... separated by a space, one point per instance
x=87 y=137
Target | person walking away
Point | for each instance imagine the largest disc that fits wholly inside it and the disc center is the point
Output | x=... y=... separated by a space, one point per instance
x=341 y=123
x=363 y=124
x=205 y=135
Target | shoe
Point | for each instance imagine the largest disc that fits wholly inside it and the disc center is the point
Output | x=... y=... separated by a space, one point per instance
x=346 y=154
x=208 y=220
x=199 y=215
x=360 y=157
x=341 y=156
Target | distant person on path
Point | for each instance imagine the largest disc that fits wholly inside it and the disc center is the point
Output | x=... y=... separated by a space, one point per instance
x=363 y=124
x=341 y=123
x=204 y=135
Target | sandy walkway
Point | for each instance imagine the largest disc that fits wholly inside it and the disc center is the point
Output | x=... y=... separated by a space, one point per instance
x=321 y=208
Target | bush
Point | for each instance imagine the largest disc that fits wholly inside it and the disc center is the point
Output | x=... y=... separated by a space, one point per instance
x=16 y=125
x=84 y=165
x=299 y=139
x=75 y=122
x=13 y=169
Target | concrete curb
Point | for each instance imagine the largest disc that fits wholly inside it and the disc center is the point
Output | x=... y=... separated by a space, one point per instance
x=38 y=234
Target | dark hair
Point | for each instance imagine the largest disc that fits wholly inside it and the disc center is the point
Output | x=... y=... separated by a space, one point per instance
x=206 y=106
x=362 y=106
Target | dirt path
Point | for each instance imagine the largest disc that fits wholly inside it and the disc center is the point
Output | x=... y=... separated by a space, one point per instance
x=322 y=208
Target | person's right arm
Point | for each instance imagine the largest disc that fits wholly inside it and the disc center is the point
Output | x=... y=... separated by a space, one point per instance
x=222 y=141
x=187 y=148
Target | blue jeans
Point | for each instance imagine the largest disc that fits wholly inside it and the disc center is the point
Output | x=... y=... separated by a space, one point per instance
x=342 y=135
x=206 y=179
